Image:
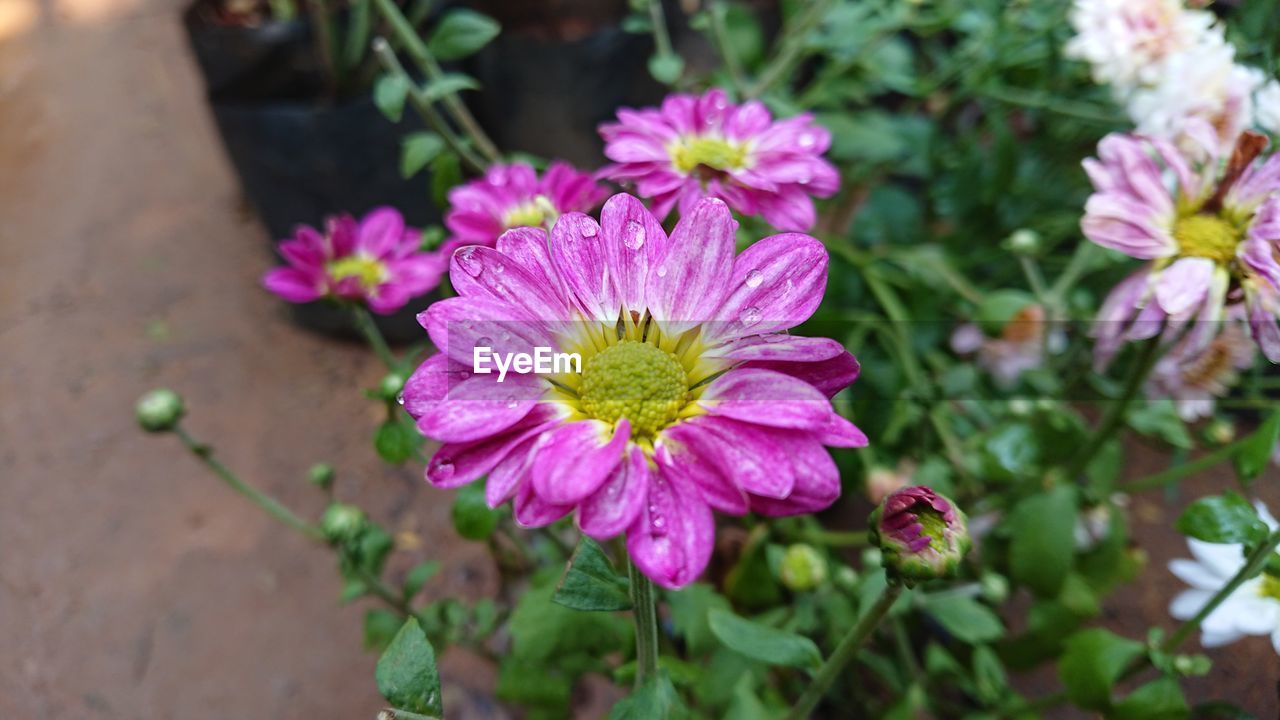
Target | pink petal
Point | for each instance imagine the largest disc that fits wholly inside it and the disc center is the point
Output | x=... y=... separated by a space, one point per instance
x=578 y=254
x=577 y=458
x=766 y=397
x=530 y=249
x=776 y=284
x=830 y=376
x=778 y=347
x=679 y=458
x=292 y=285
x=686 y=283
x=1184 y=284
x=839 y=432
x=633 y=239
x=483 y=272
x=459 y=325
x=759 y=463
x=481 y=406
x=456 y=464
x=818 y=485
x=532 y=511
x=615 y=505
x=672 y=537
x=381 y=231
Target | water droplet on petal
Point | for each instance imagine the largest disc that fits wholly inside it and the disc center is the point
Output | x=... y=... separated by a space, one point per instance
x=499 y=268
x=662 y=271
x=633 y=235
x=806 y=140
x=750 y=316
x=484 y=342
x=463 y=375
x=400 y=398
x=441 y=469
x=754 y=278
x=511 y=401
x=589 y=228
x=469 y=262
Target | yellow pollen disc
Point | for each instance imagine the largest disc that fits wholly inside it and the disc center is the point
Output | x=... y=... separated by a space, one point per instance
x=1207 y=236
x=534 y=213
x=689 y=153
x=369 y=271
x=1270 y=586
x=637 y=381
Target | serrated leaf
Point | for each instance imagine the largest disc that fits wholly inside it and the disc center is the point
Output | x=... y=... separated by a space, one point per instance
x=418 y=149
x=1042 y=545
x=462 y=32
x=1253 y=458
x=763 y=643
x=406 y=673
x=1092 y=662
x=472 y=516
x=389 y=93
x=966 y=619
x=448 y=84
x=1225 y=518
x=591 y=583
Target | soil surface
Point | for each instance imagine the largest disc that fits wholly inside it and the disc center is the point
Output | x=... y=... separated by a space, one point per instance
x=132 y=584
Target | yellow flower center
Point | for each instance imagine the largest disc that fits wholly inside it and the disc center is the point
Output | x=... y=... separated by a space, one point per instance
x=1207 y=236
x=1270 y=586
x=369 y=271
x=534 y=213
x=634 y=380
x=688 y=154
x=935 y=528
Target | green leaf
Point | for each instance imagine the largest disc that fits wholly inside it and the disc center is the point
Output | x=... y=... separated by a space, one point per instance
x=763 y=643
x=460 y=33
x=406 y=672
x=418 y=149
x=689 y=610
x=966 y=619
x=1225 y=518
x=472 y=516
x=989 y=677
x=541 y=629
x=999 y=307
x=870 y=137
x=1094 y=659
x=1160 y=419
x=389 y=93
x=1253 y=458
x=1042 y=540
x=655 y=700
x=418 y=576
x=448 y=84
x=666 y=69
x=591 y=582
x=446 y=171
x=380 y=628
x=1159 y=699
x=395 y=441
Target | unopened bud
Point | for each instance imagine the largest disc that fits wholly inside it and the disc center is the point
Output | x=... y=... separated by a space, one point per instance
x=1220 y=431
x=846 y=578
x=342 y=522
x=159 y=410
x=391 y=386
x=921 y=533
x=1025 y=242
x=995 y=588
x=803 y=568
x=321 y=475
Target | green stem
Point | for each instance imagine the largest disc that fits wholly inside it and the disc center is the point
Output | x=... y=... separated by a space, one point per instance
x=720 y=34
x=661 y=37
x=843 y=654
x=1077 y=110
x=645 y=609
x=417 y=49
x=1076 y=268
x=387 y=58
x=1115 y=415
x=1174 y=474
x=365 y=324
x=273 y=507
x=1034 y=279
x=791 y=49
x=894 y=309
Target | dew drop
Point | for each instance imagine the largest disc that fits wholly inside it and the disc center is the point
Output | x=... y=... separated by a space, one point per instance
x=806 y=140
x=400 y=398
x=499 y=268
x=469 y=262
x=750 y=316
x=754 y=278
x=662 y=271
x=633 y=235
x=511 y=401
x=589 y=229
x=441 y=469
x=463 y=375
x=484 y=342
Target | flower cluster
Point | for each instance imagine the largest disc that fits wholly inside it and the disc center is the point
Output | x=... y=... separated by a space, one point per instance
x=1169 y=64
x=705 y=146
x=376 y=261
x=1210 y=231
x=690 y=395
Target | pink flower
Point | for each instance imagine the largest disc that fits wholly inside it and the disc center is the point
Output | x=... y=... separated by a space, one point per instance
x=1019 y=347
x=1210 y=230
x=1194 y=374
x=689 y=395
x=375 y=261
x=695 y=147
x=511 y=196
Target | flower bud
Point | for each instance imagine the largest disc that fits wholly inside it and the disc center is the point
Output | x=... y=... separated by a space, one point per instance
x=1024 y=242
x=391 y=386
x=995 y=588
x=342 y=522
x=921 y=534
x=321 y=475
x=846 y=578
x=1220 y=431
x=803 y=568
x=159 y=410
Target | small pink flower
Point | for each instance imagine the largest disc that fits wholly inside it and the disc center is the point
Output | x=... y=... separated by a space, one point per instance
x=695 y=147
x=689 y=394
x=375 y=261
x=1210 y=230
x=511 y=196
x=1019 y=347
x=1194 y=374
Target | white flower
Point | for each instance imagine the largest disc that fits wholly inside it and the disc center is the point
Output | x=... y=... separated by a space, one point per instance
x=1267 y=107
x=1127 y=41
x=1254 y=607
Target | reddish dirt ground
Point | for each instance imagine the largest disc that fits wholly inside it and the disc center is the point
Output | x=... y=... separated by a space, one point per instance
x=132 y=584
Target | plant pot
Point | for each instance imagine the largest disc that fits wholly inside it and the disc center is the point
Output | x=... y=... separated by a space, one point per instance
x=299 y=159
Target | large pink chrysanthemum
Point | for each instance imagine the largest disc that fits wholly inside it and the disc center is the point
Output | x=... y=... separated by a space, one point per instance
x=695 y=147
x=375 y=261
x=1211 y=231
x=690 y=396
x=511 y=196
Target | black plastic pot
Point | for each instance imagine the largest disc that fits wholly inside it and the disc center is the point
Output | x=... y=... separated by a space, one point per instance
x=299 y=159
